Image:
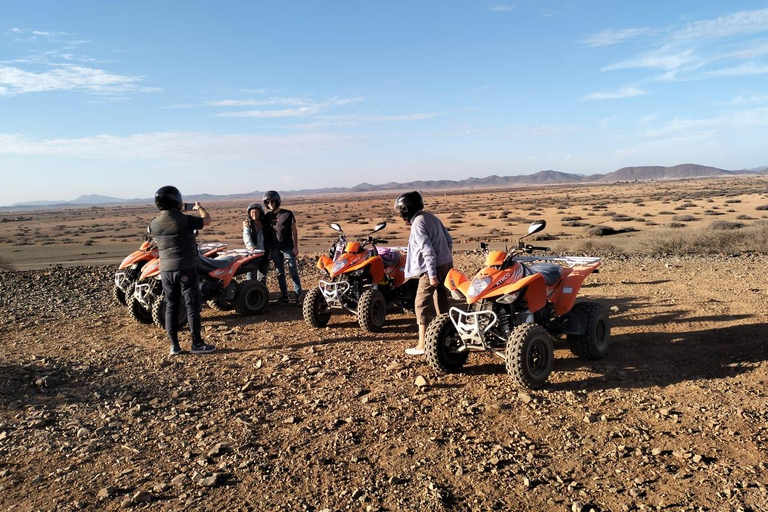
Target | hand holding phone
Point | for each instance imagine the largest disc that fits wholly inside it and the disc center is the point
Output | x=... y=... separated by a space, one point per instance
x=189 y=206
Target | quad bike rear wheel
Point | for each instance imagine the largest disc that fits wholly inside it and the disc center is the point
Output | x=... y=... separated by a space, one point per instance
x=251 y=297
x=315 y=309
x=136 y=309
x=158 y=312
x=529 y=355
x=371 y=310
x=442 y=343
x=593 y=344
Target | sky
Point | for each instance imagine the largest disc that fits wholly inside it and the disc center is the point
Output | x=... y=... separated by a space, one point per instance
x=118 y=98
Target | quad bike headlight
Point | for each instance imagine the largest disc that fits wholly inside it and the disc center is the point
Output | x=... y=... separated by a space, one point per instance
x=478 y=285
x=338 y=265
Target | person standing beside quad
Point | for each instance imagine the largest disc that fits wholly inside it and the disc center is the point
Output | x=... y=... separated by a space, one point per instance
x=284 y=244
x=174 y=234
x=255 y=239
x=429 y=259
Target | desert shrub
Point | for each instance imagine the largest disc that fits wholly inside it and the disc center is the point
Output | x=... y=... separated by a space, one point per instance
x=607 y=230
x=727 y=201
x=762 y=207
x=674 y=225
x=708 y=241
x=684 y=218
x=724 y=224
x=647 y=214
x=712 y=212
x=571 y=218
x=620 y=217
x=595 y=248
x=665 y=212
x=576 y=224
x=637 y=200
x=744 y=217
x=5 y=265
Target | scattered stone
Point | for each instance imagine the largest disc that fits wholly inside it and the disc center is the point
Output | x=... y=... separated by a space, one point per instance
x=421 y=382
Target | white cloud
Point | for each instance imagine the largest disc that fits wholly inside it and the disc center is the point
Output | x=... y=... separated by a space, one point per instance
x=610 y=37
x=501 y=8
x=273 y=114
x=738 y=23
x=660 y=59
x=745 y=69
x=737 y=120
x=15 y=81
x=405 y=117
x=741 y=100
x=188 y=146
x=626 y=92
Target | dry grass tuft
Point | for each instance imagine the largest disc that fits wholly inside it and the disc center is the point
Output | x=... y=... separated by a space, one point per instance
x=710 y=240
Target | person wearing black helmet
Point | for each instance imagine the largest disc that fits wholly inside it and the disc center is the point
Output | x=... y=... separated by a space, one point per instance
x=254 y=239
x=429 y=259
x=284 y=244
x=174 y=235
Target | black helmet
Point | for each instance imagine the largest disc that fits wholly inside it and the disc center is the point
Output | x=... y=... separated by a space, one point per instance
x=168 y=198
x=271 y=196
x=254 y=206
x=408 y=204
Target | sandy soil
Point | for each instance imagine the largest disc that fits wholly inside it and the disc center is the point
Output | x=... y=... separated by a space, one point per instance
x=95 y=415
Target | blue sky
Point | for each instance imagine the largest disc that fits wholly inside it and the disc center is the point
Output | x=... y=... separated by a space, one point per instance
x=118 y=98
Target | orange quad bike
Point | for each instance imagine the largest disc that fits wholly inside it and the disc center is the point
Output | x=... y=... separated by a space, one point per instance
x=130 y=269
x=364 y=280
x=140 y=304
x=217 y=286
x=514 y=306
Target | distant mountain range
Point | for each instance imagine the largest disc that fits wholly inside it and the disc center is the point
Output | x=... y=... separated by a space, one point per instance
x=642 y=173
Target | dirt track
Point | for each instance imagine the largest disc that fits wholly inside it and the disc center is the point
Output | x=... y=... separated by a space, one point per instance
x=94 y=415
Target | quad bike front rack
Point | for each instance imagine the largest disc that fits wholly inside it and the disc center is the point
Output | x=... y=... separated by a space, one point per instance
x=142 y=291
x=333 y=292
x=468 y=326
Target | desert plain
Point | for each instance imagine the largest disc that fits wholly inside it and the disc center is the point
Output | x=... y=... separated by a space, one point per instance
x=94 y=415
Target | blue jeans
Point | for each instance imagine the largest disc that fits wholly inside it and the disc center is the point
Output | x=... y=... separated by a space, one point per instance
x=286 y=256
x=262 y=267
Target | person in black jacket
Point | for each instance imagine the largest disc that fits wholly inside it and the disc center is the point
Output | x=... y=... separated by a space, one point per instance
x=174 y=235
x=281 y=225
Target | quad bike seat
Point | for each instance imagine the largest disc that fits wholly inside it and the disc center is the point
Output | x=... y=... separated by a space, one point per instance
x=552 y=272
x=210 y=264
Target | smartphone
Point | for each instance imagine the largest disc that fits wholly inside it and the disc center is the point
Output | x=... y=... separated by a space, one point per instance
x=188 y=206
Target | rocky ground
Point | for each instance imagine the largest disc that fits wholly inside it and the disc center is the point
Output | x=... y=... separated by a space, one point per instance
x=95 y=415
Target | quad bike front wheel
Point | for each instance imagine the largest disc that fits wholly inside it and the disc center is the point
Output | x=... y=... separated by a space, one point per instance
x=119 y=295
x=251 y=297
x=136 y=309
x=315 y=309
x=529 y=355
x=444 y=346
x=371 y=310
x=158 y=312
x=593 y=344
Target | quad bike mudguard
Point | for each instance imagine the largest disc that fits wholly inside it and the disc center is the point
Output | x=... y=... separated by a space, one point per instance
x=325 y=263
x=571 y=286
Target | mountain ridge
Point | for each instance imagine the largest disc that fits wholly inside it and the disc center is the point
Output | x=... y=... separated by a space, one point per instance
x=549 y=176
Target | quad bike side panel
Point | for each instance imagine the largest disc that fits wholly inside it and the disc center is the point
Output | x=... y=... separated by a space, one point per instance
x=375 y=267
x=325 y=263
x=535 y=291
x=150 y=269
x=455 y=280
x=137 y=256
x=396 y=272
x=570 y=288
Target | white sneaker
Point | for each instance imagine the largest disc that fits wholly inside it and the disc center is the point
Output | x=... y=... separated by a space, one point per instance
x=413 y=351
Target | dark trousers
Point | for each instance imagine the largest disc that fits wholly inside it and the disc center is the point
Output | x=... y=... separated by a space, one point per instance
x=178 y=284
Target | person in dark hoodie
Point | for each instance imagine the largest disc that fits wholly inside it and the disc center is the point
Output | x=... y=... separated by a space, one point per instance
x=174 y=234
x=429 y=259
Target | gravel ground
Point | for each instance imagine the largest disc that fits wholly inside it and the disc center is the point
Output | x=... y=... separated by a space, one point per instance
x=95 y=415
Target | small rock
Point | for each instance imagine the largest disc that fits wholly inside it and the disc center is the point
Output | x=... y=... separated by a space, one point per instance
x=421 y=382
x=178 y=479
x=210 y=481
x=141 y=497
x=590 y=418
x=525 y=397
